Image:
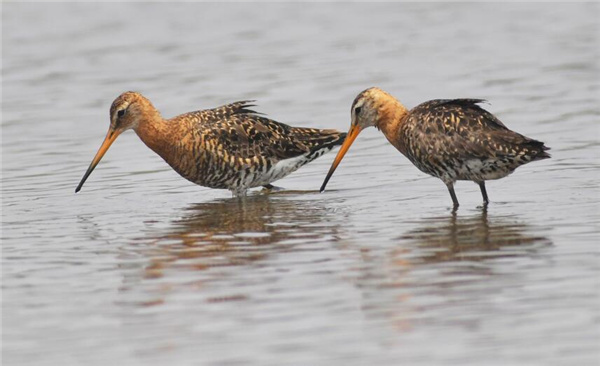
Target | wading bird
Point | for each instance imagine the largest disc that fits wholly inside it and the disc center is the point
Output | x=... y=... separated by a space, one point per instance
x=229 y=147
x=451 y=139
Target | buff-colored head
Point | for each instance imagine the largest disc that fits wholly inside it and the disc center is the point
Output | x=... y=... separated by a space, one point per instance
x=372 y=107
x=126 y=112
x=369 y=107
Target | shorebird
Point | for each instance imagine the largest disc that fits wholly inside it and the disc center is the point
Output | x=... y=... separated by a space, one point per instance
x=451 y=139
x=228 y=147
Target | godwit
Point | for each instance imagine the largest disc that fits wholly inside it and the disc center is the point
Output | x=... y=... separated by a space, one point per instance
x=229 y=147
x=451 y=139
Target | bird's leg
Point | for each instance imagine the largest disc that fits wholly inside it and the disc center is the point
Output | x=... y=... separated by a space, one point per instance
x=484 y=192
x=239 y=193
x=452 y=194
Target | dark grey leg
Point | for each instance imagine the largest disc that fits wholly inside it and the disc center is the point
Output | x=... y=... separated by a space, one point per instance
x=484 y=192
x=452 y=194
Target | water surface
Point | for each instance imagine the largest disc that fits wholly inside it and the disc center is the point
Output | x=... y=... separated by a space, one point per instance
x=144 y=268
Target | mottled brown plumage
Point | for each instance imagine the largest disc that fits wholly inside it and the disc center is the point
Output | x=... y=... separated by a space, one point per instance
x=230 y=147
x=452 y=139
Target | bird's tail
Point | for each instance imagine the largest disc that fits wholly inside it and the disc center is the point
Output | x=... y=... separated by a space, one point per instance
x=316 y=139
x=539 y=150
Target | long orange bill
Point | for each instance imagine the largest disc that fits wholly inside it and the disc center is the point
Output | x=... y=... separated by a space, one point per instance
x=352 y=134
x=111 y=136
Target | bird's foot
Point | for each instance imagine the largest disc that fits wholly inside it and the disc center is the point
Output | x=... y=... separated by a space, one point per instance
x=484 y=205
x=269 y=188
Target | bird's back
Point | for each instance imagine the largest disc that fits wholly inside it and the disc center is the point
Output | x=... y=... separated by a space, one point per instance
x=456 y=139
x=234 y=147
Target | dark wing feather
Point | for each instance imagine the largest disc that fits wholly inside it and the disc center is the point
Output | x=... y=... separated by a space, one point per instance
x=223 y=112
x=315 y=139
x=468 y=105
x=244 y=134
x=445 y=130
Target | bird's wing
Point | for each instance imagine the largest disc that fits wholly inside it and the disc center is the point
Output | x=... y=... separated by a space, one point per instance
x=243 y=133
x=221 y=113
x=459 y=129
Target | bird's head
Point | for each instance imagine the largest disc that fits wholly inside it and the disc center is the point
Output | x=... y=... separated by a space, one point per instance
x=369 y=108
x=126 y=112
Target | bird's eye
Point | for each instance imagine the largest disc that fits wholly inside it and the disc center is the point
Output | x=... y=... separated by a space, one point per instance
x=357 y=110
x=120 y=112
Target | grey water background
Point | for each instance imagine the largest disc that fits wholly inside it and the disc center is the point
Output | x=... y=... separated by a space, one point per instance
x=144 y=268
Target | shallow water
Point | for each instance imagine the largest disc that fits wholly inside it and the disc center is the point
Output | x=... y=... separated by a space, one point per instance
x=143 y=267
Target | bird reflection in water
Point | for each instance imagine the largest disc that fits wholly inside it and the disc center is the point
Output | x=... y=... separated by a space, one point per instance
x=444 y=265
x=236 y=232
x=474 y=238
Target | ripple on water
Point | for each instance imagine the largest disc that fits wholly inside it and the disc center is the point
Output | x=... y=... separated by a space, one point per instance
x=142 y=267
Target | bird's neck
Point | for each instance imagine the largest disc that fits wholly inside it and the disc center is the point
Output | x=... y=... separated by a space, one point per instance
x=391 y=114
x=155 y=132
